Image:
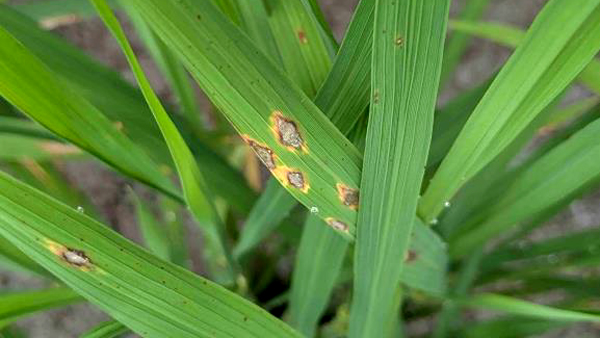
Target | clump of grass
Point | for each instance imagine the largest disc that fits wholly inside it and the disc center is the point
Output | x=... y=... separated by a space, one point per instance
x=396 y=211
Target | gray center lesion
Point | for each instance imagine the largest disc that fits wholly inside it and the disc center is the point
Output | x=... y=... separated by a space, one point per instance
x=288 y=133
x=296 y=179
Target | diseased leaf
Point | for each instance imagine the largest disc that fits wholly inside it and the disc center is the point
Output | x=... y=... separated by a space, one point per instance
x=150 y=296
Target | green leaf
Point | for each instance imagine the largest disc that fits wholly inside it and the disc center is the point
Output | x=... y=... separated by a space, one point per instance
x=425 y=264
x=274 y=204
x=15 y=260
x=459 y=41
x=343 y=97
x=303 y=53
x=318 y=263
x=108 y=329
x=561 y=174
x=255 y=21
x=29 y=85
x=171 y=68
x=561 y=41
x=44 y=10
x=527 y=309
x=121 y=103
x=154 y=235
x=17 y=148
x=309 y=156
x=150 y=296
x=14 y=306
x=197 y=194
x=408 y=40
x=513 y=36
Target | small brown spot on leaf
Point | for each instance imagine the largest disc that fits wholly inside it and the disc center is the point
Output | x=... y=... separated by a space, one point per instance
x=118 y=125
x=337 y=224
x=375 y=96
x=289 y=176
x=302 y=37
x=348 y=196
x=399 y=41
x=287 y=131
x=411 y=256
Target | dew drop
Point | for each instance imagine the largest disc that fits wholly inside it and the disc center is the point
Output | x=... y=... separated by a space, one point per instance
x=314 y=210
x=80 y=209
x=434 y=221
x=447 y=204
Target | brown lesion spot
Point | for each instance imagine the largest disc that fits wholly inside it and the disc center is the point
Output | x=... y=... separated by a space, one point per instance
x=410 y=256
x=302 y=37
x=376 y=96
x=348 y=196
x=398 y=41
x=292 y=177
x=286 y=131
x=264 y=153
x=73 y=257
x=76 y=258
x=337 y=224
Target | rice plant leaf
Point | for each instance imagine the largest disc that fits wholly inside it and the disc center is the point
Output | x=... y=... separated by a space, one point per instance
x=425 y=264
x=115 y=98
x=561 y=174
x=150 y=296
x=459 y=41
x=274 y=204
x=306 y=153
x=66 y=10
x=539 y=71
x=15 y=305
x=197 y=194
x=523 y=308
x=123 y=104
x=109 y=329
x=171 y=68
x=18 y=148
x=513 y=36
x=318 y=263
x=255 y=21
x=155 y=237
x=343 y=97
x=303 y=53
x=586 y=240
x=408 y=40
x=13 y=259
x=29 y=85
x=23 y=127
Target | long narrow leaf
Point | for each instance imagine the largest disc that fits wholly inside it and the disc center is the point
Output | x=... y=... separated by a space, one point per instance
x=19 y=304
x=150 y=296
x=407 y=55
x=561 y=41
x=29 y=85
x=196 y=191
x=304 y=151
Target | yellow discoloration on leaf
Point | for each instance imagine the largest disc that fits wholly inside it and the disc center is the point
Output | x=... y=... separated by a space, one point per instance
x=287 y=132
x=348 y=196
x=57 y=148
x=337 y=225
x=290 y=177
x=62 y=20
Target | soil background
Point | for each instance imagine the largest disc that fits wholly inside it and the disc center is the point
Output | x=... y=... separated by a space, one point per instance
x=107 y=189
